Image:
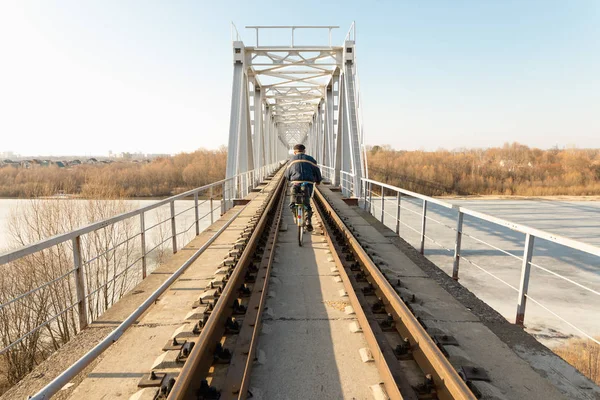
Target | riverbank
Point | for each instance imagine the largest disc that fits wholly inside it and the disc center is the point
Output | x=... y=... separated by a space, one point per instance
x=532 y=198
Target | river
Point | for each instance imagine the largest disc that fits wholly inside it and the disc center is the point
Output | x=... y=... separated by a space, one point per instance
x=184 y=220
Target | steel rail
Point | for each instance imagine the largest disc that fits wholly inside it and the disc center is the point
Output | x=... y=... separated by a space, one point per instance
x=59 y=382
x=386 y=374
x=426 y=353
x=239 y=372
x=201 y=355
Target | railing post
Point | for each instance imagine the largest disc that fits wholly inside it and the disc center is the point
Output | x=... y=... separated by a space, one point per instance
x=80 y=283
x=173 y=227
x=223 y=200
x=365 y=196
x=196 y=213
x=382 y=204
x=360 y=193
x=370 y=197
x=524 y=286
x=423 y=224
x=457 y=242
x=143 y=237
x=212 y=217
x=398 y=203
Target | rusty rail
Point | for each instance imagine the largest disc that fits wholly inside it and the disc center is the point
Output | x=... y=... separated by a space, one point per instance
x=430 y=359
x=200 y=358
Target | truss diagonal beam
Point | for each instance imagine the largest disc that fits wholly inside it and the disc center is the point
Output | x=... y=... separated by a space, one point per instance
x=298 y=94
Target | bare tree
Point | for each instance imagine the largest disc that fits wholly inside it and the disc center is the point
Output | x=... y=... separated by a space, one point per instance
x=45 y=314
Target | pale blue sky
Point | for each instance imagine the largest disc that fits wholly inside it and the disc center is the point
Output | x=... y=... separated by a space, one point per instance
x=85 y=77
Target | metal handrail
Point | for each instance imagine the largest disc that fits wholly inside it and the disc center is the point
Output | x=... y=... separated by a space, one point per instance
x=233 y=186
x=86 y=359
x=366 y=198
x=63 y=237
x=257 y=28
x=409 y=193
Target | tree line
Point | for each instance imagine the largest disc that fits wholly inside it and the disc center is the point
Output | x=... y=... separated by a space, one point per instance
x=513 y=169
x=159 y=178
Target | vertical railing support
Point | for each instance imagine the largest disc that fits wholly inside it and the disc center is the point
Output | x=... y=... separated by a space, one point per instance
x=196 y=212
x=457 y=242
x=143 y=237
x=382 y=204
x=173 y=227
x=398 y=208
x=525 y=272
x=370 y=197
x=365 y=196
x=80 y=283
x=223 y=199
x=423 y=224
x=360 y=193
x=212 y=217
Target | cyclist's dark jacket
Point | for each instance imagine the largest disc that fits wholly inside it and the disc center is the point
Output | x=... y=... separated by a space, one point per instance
x=303 y=168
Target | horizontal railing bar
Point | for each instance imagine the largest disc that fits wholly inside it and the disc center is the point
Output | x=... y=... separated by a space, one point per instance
x=183 y=232
x=37 y=288
x=452 y=228
x=114 y=278
x=37 y=328
x=84 y=361
x=439 y=244
x=574 y=244
x=492 y=246
x=160 y=244
x=184 y=211
x=54 y=240
x=111 y=249
x=409 y=193
x=565 y=278
x=489 y=273
x=157 y=224
x=292 y=26
x=426 y=237
x=563 y=320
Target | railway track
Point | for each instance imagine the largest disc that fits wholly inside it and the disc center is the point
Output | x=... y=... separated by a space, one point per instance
x=215 y=359
x=347 y=315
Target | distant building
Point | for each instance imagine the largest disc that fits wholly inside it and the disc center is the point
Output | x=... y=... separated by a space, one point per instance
x=154 y=156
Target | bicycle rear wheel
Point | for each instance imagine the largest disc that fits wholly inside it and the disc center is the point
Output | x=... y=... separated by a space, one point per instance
x=300 y=223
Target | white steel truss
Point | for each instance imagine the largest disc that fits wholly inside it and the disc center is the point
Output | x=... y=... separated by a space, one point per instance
x=288 y=94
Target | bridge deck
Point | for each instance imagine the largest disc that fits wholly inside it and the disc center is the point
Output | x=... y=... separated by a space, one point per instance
x=306 y=349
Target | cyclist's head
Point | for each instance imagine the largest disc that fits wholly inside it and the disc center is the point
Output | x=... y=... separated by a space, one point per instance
x=299 y=148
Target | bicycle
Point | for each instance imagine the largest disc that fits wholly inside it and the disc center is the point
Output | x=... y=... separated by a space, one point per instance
x=300 y=209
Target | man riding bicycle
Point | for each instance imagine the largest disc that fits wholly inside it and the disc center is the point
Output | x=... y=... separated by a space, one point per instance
x=303 y=172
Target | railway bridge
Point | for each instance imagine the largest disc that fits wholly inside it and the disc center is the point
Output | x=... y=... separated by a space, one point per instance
x=242 y=309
